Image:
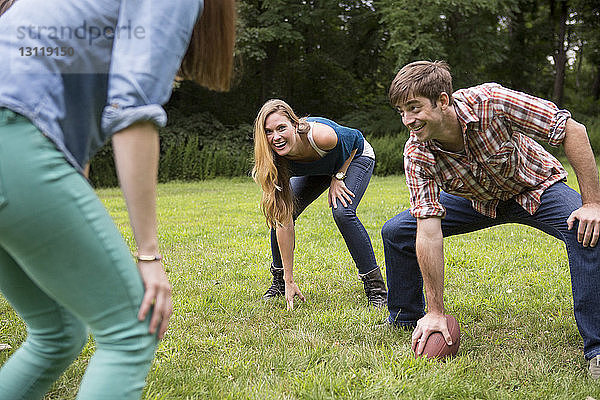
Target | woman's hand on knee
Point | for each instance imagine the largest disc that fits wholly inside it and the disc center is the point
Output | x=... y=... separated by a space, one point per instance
x=339 y=191
x=157 y=295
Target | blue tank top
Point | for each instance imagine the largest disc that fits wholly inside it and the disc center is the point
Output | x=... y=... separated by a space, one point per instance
x=348 y=140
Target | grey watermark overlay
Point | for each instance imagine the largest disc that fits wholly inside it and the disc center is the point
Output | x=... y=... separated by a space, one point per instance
x=89 y=33
x=83 y=47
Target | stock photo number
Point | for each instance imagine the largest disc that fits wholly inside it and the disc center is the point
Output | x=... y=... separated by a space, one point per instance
x=46 y=51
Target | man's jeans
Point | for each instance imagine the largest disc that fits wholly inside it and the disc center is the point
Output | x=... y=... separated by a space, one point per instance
x=308 y=188
x=406 y=302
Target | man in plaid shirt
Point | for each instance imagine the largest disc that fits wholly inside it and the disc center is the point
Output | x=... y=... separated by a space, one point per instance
x=471 y=162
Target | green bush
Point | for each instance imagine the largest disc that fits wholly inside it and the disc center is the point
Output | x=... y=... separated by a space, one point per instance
x=192 y=148
x=389 y=158
x=593 y=130
x=197 y=147
x=378 y=121
x=102 y=168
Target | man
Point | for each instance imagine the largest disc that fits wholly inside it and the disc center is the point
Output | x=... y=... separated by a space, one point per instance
x=471 y=163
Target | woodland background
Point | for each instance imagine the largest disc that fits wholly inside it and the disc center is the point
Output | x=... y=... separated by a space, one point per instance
x=336 y=58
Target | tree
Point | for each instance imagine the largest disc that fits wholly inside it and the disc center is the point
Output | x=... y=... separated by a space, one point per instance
x=465 y=33
x=559 y=13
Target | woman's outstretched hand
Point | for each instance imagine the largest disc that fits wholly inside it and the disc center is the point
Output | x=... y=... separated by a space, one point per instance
x=292 y=290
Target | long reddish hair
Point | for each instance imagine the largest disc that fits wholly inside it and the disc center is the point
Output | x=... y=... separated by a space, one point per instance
x=209 y=57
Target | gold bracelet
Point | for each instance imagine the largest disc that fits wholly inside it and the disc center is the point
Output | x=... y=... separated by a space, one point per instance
x=142 y=257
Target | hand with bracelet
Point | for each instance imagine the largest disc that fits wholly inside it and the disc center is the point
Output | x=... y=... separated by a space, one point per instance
x=136 y=158
x=157 y=294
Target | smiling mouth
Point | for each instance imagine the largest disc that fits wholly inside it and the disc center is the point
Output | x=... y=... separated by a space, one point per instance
x=279 y=145
x=417 y=130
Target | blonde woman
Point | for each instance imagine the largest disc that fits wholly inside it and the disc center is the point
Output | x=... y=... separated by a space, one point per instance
x=64 y=266
x=297 y=159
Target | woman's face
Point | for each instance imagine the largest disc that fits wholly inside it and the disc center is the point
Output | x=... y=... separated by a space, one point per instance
x=281 y=133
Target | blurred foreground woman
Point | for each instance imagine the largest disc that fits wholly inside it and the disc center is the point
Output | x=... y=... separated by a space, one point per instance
x=74 y=74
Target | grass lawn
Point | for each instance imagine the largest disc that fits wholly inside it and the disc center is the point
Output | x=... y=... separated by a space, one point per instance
x=508 y=286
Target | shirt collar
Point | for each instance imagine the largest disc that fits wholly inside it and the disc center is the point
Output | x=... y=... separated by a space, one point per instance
x=464 y=113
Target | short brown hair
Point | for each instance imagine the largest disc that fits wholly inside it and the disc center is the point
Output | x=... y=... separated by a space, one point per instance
x=421 y=78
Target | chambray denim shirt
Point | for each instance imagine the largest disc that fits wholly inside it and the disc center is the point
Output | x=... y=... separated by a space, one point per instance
x=81 y=70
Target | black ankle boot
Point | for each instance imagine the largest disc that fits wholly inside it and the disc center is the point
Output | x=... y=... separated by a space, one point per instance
x=375 y=288
x=278 y=286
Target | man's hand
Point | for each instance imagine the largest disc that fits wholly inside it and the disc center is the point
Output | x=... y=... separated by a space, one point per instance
x=427 y=325
x=292 y=290
x=588 y=231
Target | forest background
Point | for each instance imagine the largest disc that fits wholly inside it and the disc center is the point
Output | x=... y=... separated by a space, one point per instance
x=336 y=58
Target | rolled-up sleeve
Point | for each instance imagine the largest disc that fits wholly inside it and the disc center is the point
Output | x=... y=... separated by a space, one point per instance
x=557 y=130
x=424 y=192
x=150 y=41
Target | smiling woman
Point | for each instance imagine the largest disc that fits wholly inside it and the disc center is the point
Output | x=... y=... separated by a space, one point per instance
x=295 y=160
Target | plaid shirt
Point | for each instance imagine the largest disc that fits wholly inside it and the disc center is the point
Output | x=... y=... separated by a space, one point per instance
x=500 y=160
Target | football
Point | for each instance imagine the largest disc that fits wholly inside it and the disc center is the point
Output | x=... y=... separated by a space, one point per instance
x=437 y=348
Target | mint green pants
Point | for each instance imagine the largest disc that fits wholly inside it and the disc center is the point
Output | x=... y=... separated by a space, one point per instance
x=64 y=268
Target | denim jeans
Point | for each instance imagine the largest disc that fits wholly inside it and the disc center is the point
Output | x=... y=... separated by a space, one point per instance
x=406 y=302
x=308 y=188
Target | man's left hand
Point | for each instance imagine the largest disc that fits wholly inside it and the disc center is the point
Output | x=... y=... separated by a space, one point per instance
x=588 y=231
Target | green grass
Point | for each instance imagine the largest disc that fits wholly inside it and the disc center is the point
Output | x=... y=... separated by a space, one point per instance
x=508 y=286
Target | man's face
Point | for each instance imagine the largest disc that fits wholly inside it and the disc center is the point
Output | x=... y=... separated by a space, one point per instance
x=421 y=117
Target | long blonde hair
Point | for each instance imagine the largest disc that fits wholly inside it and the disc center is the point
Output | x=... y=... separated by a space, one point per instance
x=209 y=57
x=270 y=170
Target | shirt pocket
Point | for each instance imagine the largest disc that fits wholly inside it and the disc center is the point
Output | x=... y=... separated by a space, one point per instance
x=454 y=186
x=503 y=164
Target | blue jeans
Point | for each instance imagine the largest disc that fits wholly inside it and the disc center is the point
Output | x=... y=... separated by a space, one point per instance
x=308 y=188
x=406 y=302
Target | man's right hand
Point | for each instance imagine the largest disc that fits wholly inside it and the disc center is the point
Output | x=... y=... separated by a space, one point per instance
x=431 y=322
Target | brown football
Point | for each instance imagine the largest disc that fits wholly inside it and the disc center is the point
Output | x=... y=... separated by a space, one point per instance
x=436 y=347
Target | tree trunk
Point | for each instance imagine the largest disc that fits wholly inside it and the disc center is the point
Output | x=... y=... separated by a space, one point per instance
x=596 y=85
x=267 y=71
x=518 y=79
x=560 y=59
